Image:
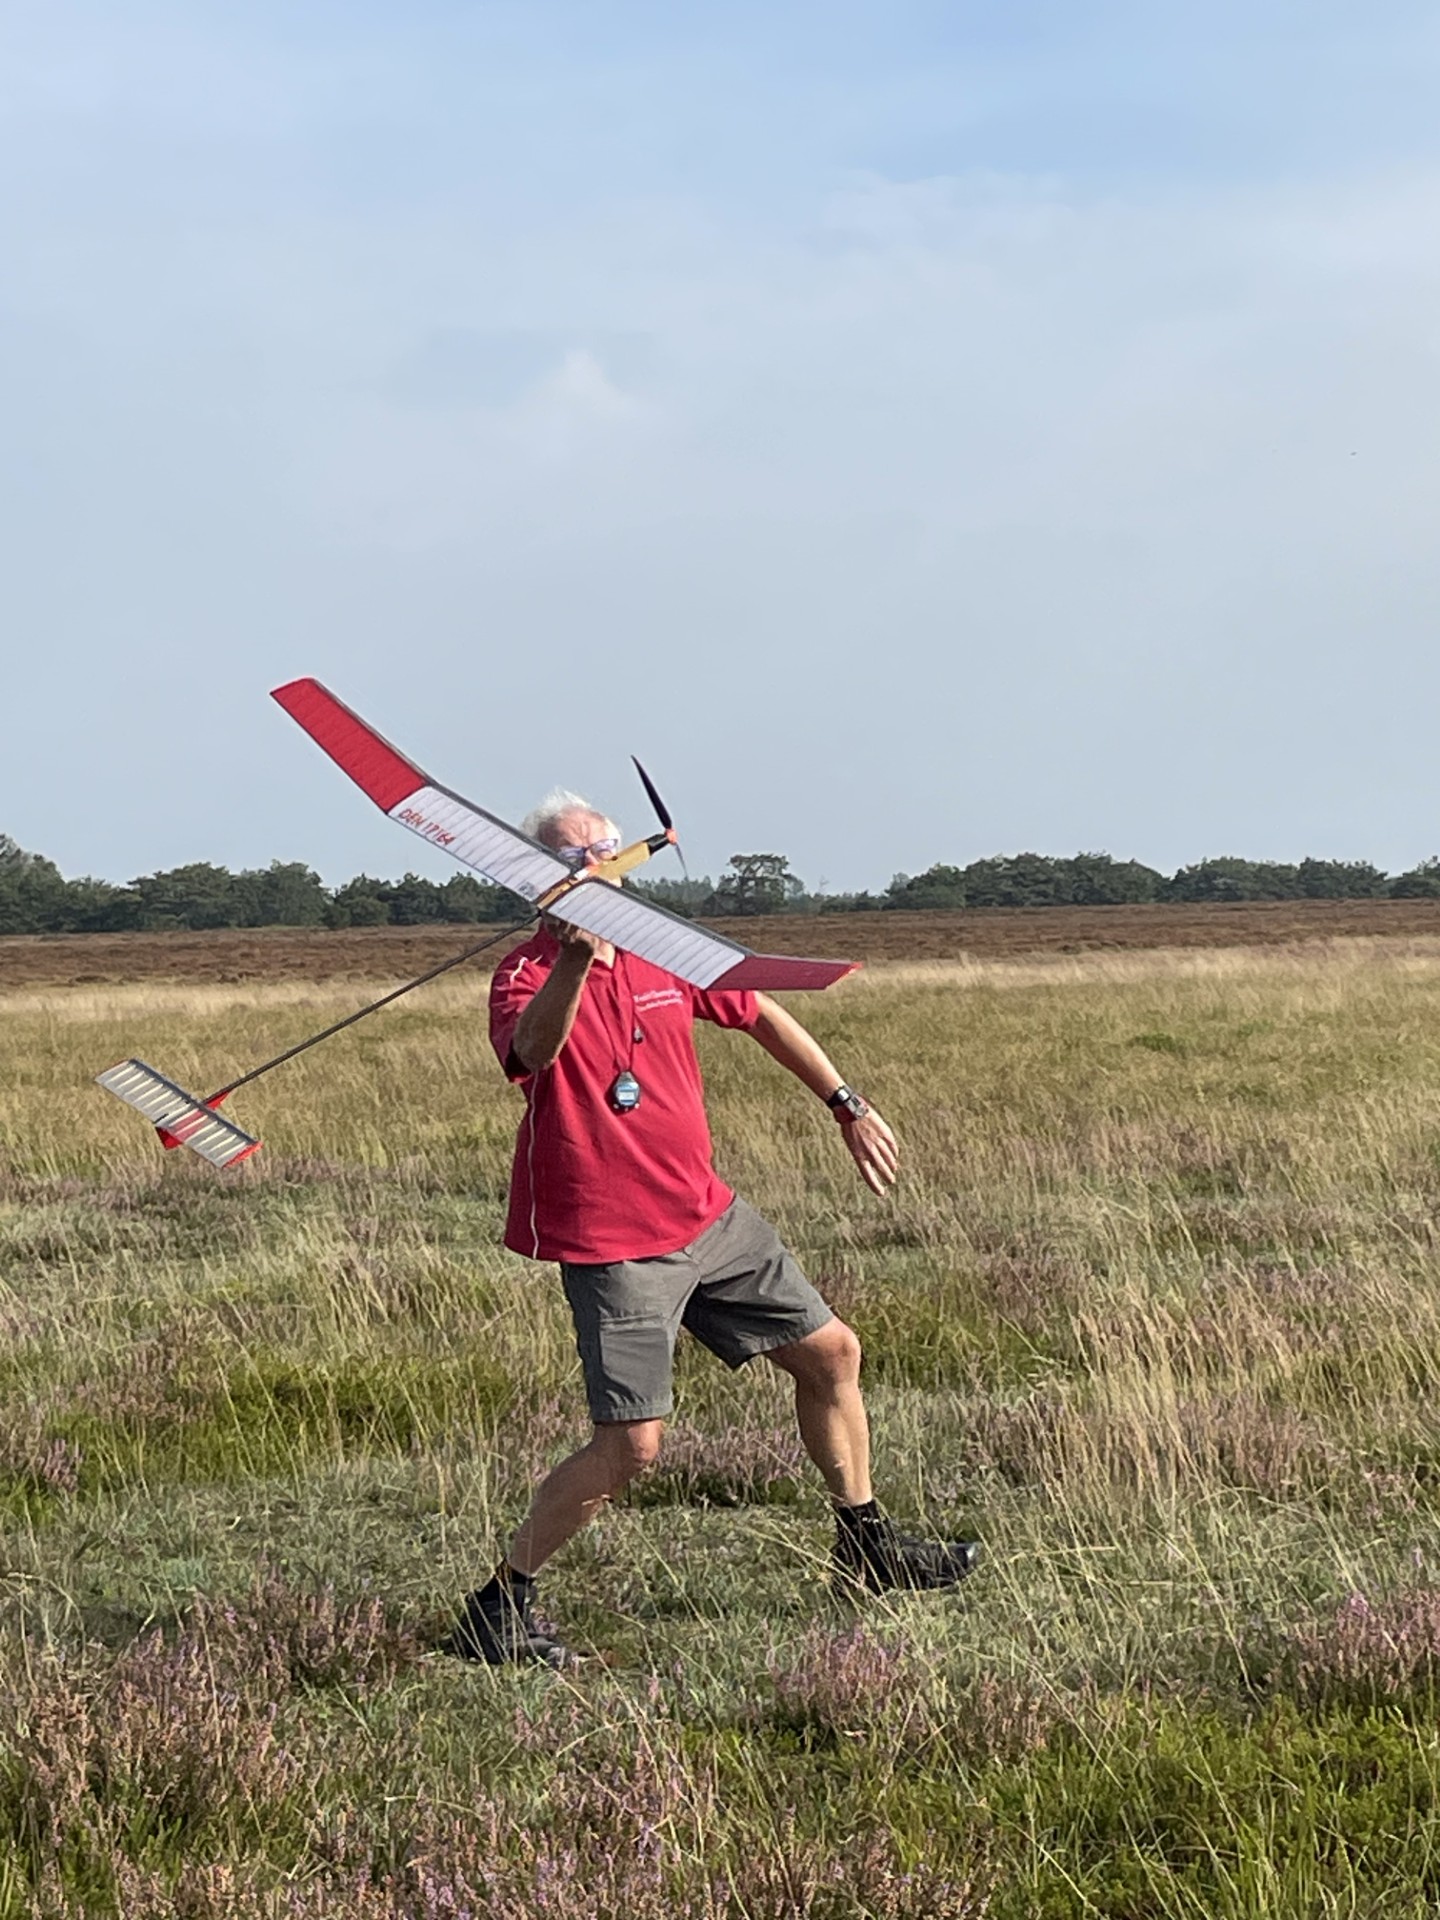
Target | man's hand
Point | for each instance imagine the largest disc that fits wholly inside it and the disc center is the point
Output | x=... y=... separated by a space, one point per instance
x=874 y=1149
x=574 y=940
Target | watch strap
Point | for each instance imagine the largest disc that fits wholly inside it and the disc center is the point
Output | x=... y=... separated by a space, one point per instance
x=846 y=1104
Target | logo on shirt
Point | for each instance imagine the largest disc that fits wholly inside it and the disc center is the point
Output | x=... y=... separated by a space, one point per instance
x=658 y=997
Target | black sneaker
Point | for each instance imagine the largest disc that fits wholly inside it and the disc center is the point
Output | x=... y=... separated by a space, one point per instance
x=493 y=1629
x=877 y=1557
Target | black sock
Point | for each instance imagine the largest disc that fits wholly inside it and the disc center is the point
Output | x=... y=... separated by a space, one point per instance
x=521 y=1585
x=857 y=1519
x=507 y=1581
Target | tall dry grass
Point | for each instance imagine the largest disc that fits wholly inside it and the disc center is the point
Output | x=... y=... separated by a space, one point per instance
x=1154 y=1310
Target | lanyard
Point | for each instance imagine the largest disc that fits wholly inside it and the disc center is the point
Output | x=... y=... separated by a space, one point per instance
x=624 y=1095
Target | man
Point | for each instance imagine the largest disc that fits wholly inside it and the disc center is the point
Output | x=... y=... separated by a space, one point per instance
x=612 y=1179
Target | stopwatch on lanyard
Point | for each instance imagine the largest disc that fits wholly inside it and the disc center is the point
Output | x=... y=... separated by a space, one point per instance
x=625 y=1090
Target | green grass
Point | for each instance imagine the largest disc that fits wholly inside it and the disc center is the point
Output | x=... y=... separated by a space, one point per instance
x=1154 y=1310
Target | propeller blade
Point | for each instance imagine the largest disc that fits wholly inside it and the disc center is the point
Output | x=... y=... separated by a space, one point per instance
x=662 y=812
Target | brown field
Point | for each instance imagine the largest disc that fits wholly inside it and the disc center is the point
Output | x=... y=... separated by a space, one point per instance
x=383 y=953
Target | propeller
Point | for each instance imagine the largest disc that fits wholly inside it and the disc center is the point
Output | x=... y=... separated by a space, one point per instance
x=662 y=814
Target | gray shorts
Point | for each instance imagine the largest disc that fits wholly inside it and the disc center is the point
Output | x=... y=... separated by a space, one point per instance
x=737 y=1289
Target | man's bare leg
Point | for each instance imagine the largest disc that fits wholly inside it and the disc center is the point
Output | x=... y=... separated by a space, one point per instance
x=870 y=1551
x=571 y=1495
x=496 y=1624
x=829 y=1410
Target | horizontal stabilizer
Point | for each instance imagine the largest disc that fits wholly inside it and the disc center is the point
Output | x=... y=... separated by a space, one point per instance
x=174 y=1112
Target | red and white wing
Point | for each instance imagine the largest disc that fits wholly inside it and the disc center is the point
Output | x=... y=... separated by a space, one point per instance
x=682 y=947
x=398 y=787
x=512 y=859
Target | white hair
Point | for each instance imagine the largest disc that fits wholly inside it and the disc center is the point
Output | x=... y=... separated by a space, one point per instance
x=556 y=804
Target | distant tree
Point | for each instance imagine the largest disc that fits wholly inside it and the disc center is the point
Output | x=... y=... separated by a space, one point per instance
x=361 y=902
x=1230 y=878
x=95 y=906
x=1097 y=880
x=938 y=886
x=1276 y=880
x=464 y=900
x=1340 y=880
x=415 y=901
x=199 y=895
x=1027 y=880
x=1420 y=883
x=32 y=890
x=284 y=894
x=757 y=883
x=1018 y=880
x=1226 y=878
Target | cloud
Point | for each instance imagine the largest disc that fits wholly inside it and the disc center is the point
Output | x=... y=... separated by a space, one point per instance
x=1080 y=500
x=459 y=367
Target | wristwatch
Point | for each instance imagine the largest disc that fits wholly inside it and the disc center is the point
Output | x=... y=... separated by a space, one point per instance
x=846 y=1105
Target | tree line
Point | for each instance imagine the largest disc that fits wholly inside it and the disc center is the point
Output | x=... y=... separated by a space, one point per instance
x=764 y=883
x=36 y=898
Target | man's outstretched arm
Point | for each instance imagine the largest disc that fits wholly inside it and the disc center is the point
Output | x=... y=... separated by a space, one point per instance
x=869 y=1139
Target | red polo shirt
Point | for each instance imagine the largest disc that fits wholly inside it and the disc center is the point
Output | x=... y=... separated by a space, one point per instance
x=589 y=1184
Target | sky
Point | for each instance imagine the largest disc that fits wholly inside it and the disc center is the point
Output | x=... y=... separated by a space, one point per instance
x=918 y=431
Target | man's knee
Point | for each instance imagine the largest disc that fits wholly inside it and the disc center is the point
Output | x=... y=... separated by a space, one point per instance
x=829 y=1357
x=628 y=1447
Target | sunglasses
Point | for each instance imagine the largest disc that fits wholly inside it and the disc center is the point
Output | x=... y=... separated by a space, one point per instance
x=577 y=856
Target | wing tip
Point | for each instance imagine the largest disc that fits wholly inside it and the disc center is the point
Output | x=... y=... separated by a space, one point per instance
x=783 y=973
x=293 y=690
x=379 y=769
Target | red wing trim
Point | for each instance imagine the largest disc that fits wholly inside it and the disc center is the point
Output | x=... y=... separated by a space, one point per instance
x=782 y=972
x=381 y=770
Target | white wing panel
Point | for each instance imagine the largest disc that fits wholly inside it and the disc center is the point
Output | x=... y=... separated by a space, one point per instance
x=692 y=952
x=476 y=838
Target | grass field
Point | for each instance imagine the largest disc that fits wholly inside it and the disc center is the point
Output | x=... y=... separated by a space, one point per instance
x=1154 y=1311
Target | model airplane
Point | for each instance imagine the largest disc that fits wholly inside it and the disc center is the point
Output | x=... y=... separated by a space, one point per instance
x=506 y=857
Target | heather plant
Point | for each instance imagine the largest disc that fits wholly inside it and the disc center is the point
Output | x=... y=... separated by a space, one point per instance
x=1367 y=1652
x=845 y=1684
x=1154 y=1312
x=303 y=1636
x=158 y=1748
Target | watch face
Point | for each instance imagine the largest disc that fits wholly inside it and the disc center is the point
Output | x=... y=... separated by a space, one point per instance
x=625 y=1094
